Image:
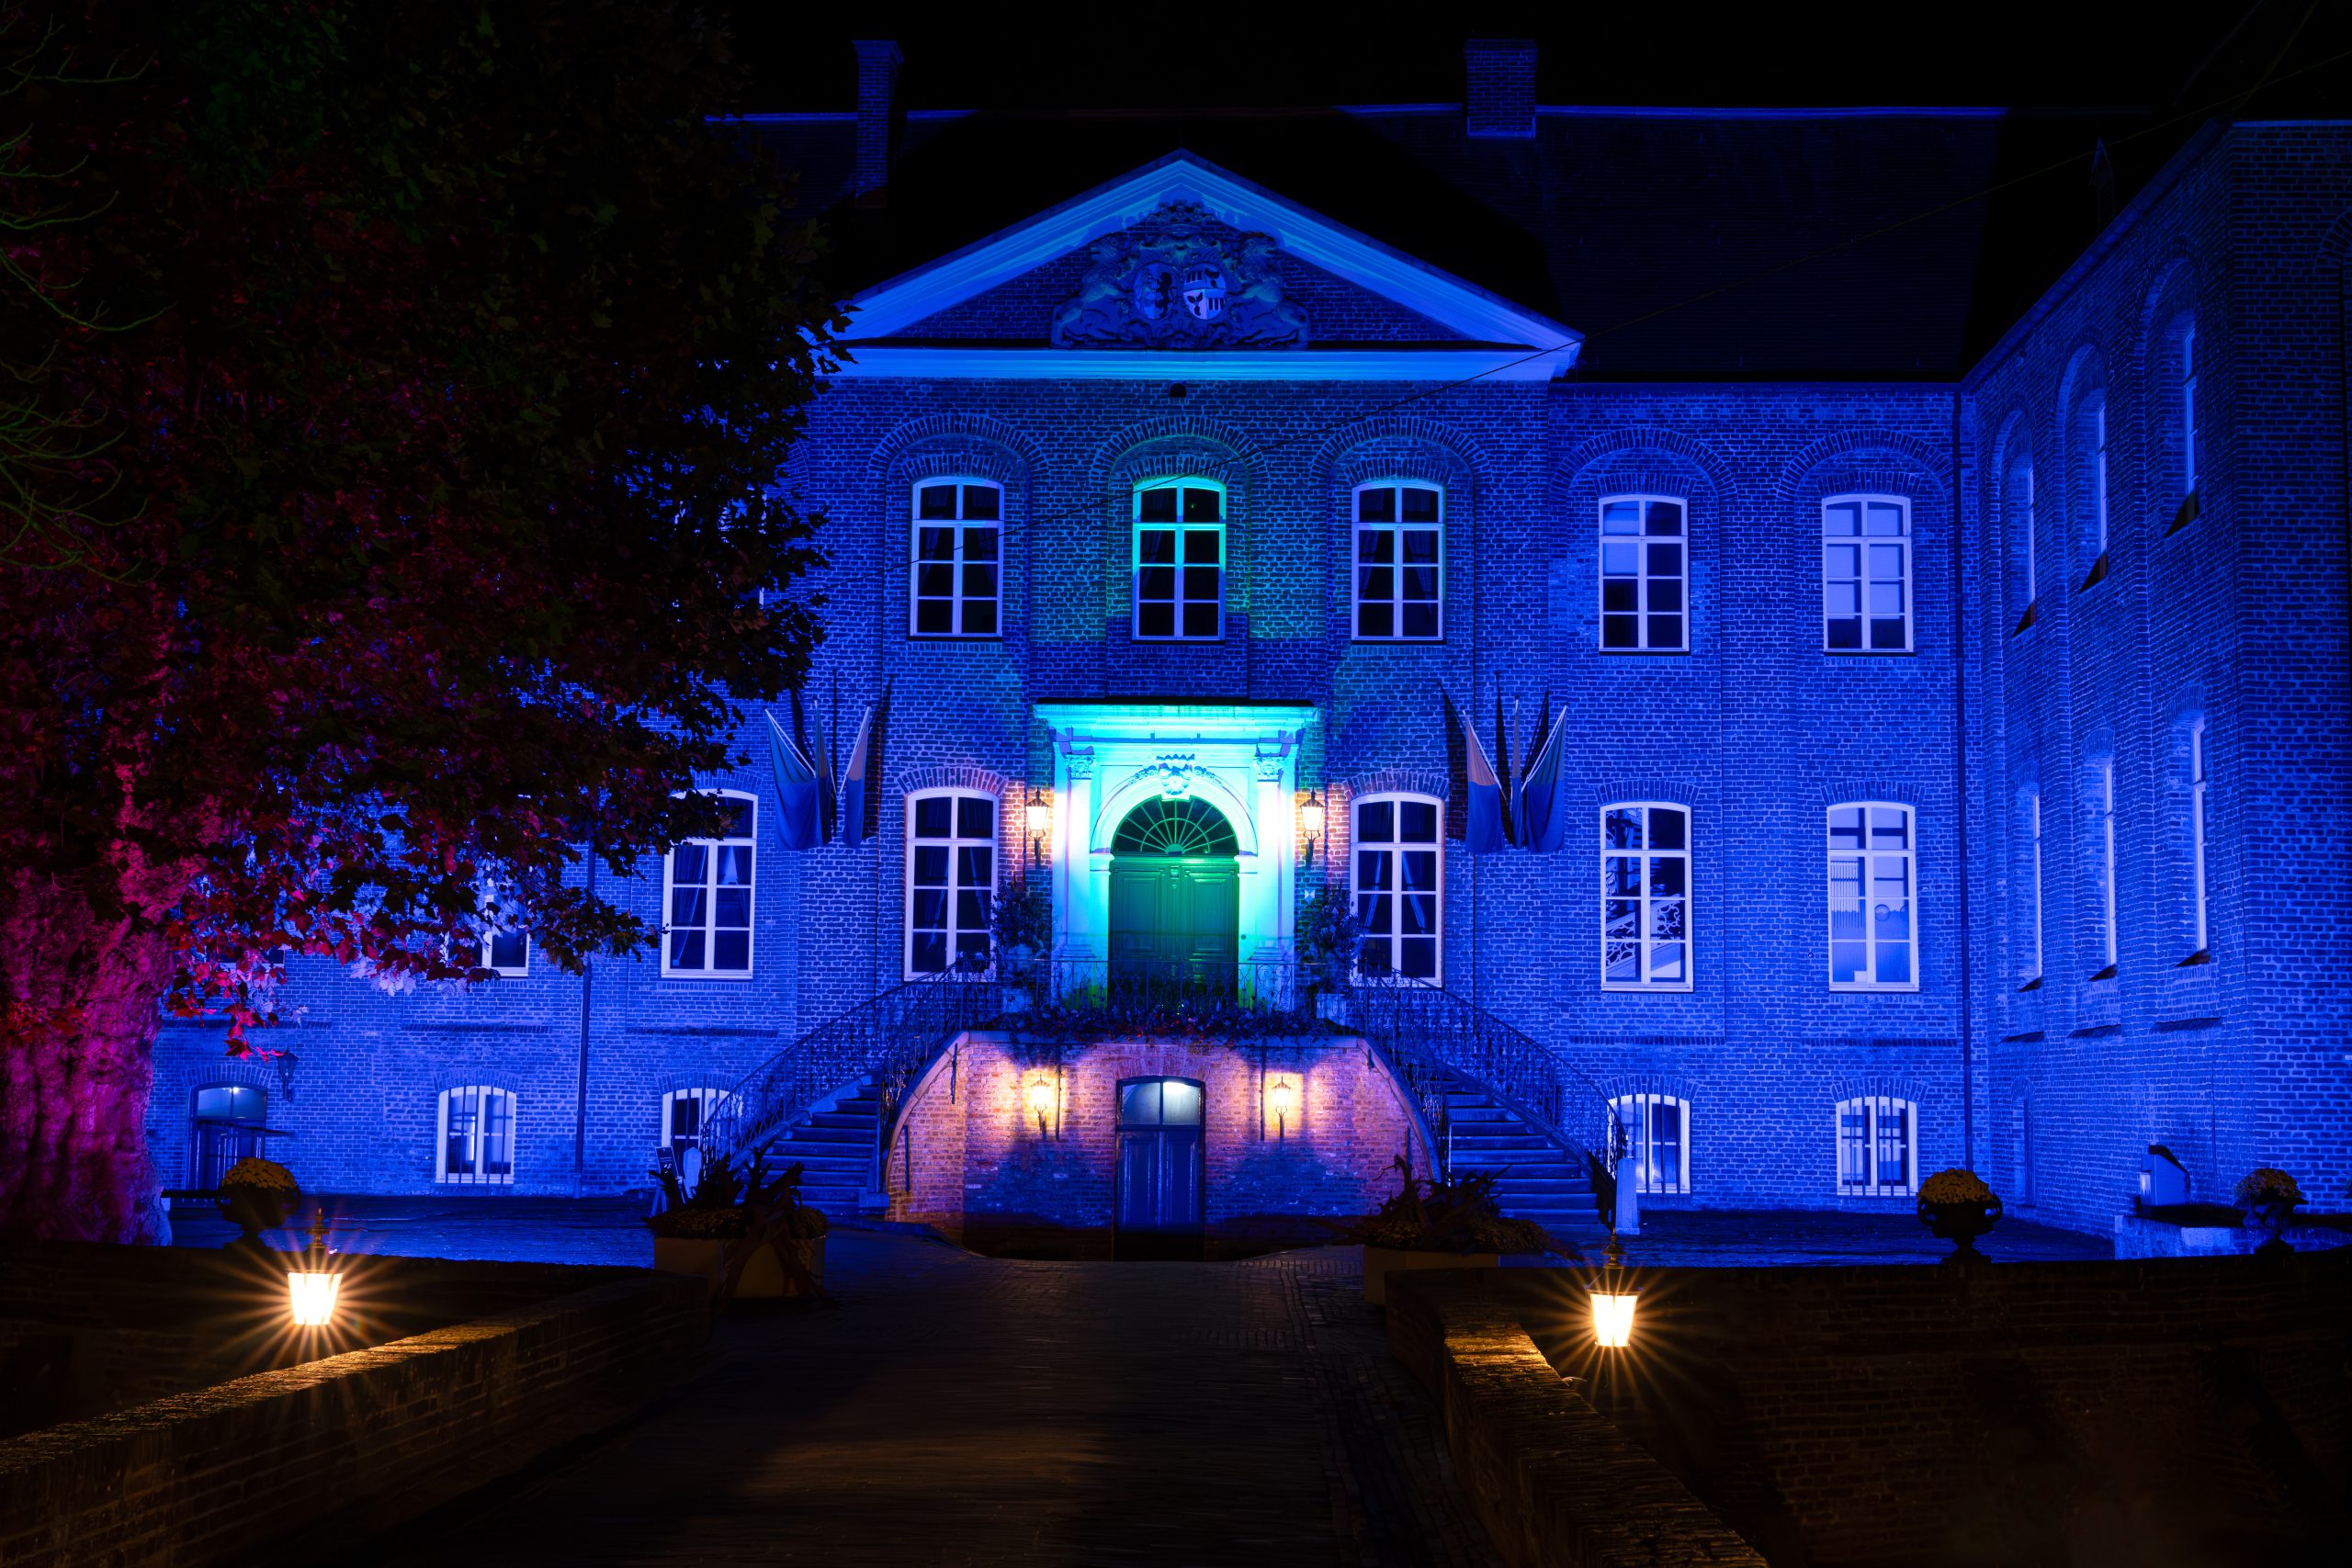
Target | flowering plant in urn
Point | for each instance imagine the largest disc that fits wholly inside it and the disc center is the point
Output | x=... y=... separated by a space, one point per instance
x=1958 y=1207
x=257 y=1195
x=2269 y=1197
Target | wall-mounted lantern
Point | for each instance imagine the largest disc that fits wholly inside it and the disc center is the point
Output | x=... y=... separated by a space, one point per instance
x=312 y=1290
x=1041 y=1102
x=1039 y=819
x=1613 y=1297
x=1311 y=817
x=1282 y=1098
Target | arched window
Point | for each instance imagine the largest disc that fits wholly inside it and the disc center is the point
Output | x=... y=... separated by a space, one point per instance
x=1400 y=561
x=2103 y=806
x=2021 y=540
x=1646 y=897
x=1179 y=560
x=685 y=1116
x=477 y=1141
x=1866 y=574
x=231 y=1119
x=1878 y=1153
x=1645 y=574
x=2091 y=434
x=1657 y=1134
x=1872 y=871
x=2187 y=409
x=1400 y=884
x=951 y=881
x=707 y=889
x=957 y=562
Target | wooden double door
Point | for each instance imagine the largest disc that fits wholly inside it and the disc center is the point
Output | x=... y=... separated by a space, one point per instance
x=1175 y=917
x=1163 y=1204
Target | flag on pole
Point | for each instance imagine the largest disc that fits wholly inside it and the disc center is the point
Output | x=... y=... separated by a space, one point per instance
x=1502 y=766
x=800 y=792
x=1484 y=834
x=1542 y=829
x=853 y=804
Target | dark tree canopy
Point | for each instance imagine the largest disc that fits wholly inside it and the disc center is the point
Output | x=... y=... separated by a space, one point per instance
x=389 y=464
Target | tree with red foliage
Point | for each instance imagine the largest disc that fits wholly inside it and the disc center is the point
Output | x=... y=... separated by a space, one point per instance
x=390 y=507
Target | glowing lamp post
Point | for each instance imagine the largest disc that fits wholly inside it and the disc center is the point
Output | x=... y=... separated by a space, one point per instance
x=1041 y=1102
x=312 y=1290
x=1281 y=1100
x=1310 y=818
x=1613 y=1297
x=1039 y=817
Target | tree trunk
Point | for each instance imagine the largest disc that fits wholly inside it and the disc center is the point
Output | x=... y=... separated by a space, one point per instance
x=78 y=1009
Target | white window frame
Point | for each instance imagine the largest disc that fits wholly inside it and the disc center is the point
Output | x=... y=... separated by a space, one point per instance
x=1641 y=576
x=710 y=1098
x=1397 y=528
x=2189 y=411
x=479 y=1097
x=1182 y=530
x=2198 y=779
x=956 y=599
x=1867 y=575
x=956 y=887
x=2103 y=802
x=749 y=843
x=1637 y=1113
x=1395 y=850
x=2040 y=959
x=1648 y=857
x=2021 y=480
x=490 y=941
x=2098 y=467
x=1872 y=1109
x=1872 y=857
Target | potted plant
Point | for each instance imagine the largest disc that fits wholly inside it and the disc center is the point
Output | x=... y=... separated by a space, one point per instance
x=1328 y=935
x=2269 y=1197
x=1439 y=1224
x=1023 y=929
x=1958 y=1207
x=255 y=1195
x=747 y=1230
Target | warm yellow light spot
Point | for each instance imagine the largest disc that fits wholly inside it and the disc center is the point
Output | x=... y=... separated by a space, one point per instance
x=1613 y=1318
x=1041 y=1099
x=1310 y=815
x=310 y=1296
x=1283 y=1097
x=1041 y=817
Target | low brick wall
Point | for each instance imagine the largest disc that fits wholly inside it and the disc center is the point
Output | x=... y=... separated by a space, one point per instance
x=1553 y=1481
x=352 y=1443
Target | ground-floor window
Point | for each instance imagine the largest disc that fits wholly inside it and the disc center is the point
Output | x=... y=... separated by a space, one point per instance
x=230 y=1122
x=1878 y=1155
x=1658 y=1142
x=477 y=1144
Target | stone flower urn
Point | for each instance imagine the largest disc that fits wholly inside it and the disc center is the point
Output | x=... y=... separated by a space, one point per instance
x=255 y=1196
x=1956 y=1207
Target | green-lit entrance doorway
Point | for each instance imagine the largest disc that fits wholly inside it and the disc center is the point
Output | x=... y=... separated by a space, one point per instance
x=1175 y=895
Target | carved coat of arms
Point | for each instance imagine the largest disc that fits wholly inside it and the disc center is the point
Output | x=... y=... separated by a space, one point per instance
x=1180 y=279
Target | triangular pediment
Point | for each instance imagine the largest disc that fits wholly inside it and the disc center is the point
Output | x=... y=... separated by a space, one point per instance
x=1183 y=267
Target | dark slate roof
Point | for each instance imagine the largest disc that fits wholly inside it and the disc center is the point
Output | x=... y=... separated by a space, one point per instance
x=1686 y=244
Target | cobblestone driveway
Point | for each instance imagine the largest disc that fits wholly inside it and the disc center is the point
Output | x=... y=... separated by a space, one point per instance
x=955 y=1409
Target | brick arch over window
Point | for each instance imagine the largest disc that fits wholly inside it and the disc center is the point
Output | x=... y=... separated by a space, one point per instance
x=956 y=430
x=1414 y=450
x=1176 y=447
x=1404 y=430
x=1886 y=792
x=1642 y=439
x=950 y=776
x=1865 y=450
x=1887 y=1085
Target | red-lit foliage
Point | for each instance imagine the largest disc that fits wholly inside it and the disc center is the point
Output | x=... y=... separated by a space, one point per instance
x=395 y=407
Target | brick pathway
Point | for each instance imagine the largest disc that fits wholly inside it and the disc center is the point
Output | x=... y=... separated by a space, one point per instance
x=963 y=1410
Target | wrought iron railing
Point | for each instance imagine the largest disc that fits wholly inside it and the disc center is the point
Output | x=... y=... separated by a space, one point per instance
x=1161 y=997
x=888 y=1040
x=1433 y=1040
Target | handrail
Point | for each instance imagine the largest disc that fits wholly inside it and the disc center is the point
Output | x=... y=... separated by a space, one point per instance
x=890 y=1038
x=1431 y=1034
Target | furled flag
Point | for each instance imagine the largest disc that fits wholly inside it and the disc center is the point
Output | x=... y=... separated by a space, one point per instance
x=853 y=806
x=1484 y=834
x=800 y=792
x=1540 y=824
x=1502 y=766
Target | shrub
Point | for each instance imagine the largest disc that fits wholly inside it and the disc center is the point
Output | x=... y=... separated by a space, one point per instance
x=1449 y=1216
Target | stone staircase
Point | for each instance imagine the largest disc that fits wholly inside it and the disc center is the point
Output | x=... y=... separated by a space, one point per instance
x=1537 y=1180
x=834 y=1143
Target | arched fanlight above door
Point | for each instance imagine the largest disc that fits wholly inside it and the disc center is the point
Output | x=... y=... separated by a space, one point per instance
x=1182 y=826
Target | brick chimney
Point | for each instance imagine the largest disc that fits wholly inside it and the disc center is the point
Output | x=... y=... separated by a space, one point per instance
x=1499 y=96
x=877 y=91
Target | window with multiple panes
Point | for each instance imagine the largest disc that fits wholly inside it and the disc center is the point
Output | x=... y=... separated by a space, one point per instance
x=1399 y=865
x=2189 y=409
x=958 y=583
x=1866 y=574
x=1645 y=574
x=1878 y=1152
x=707 y=888
x=1400 y=562
x=507 y=952
x=1646 y=897
x=2103 y=803
x=2197 y=781
x=2095 y=472
x=685 y=1117
x=1179 y=560
x=1658 y=1142
x=2033 y=810
x=477 y=1142
x=2021 y=529
x=951 y=881
x=1872 y=868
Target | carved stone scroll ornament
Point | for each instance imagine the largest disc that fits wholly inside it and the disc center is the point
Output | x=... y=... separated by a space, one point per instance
x=1180 y=279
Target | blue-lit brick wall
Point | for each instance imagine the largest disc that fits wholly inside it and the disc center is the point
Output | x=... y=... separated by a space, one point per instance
x=2229 y=623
